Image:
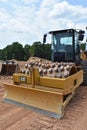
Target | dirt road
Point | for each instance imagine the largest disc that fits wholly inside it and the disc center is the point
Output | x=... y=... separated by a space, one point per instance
x=17 y=118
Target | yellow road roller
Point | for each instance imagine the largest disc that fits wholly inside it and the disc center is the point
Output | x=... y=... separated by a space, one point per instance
x=43 y=93
x=48 y=87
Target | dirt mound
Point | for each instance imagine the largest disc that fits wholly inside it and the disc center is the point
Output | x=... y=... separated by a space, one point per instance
x=31 y=59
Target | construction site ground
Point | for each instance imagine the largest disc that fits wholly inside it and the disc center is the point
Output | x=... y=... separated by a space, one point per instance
x=17 y=118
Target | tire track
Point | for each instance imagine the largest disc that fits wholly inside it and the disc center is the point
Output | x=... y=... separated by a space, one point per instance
x=26 y=123
x=12 y=117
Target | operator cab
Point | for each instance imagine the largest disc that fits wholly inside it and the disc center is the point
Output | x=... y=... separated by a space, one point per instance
x=65 y=45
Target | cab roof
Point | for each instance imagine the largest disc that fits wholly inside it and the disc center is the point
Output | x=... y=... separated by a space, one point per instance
x=66 y=30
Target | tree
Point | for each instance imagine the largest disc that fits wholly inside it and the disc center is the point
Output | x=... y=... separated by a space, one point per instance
x=82 y=46
x=35 y=48
x=41 y=50
x=7 y=52
x=1 y=54
x=17 y=51
x=26 y=52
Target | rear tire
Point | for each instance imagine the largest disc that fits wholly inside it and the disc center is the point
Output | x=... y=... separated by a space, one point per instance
x=84 y=67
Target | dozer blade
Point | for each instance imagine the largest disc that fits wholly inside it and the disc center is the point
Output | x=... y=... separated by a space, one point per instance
x=43 y=101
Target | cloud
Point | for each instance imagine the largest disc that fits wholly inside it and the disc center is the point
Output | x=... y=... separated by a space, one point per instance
x=59 y=15
x=64 y=9
x=28 y=20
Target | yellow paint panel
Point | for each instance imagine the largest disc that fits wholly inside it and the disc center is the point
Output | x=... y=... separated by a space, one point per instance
x=17 y=78
x=50 y=101
x=64 y=83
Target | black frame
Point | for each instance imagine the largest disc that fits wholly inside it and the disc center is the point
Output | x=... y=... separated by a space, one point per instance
x=73 y=31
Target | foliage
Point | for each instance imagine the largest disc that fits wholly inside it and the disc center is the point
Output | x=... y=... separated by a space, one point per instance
x=26 y=52
x=82 y=46
x=18 y=52
x=41 y=50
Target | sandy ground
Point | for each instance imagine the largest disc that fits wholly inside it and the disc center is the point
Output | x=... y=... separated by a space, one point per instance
x=16 y=118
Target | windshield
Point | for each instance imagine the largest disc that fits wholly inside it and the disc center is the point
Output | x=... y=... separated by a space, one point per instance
x=60 y=40
x=63 y=42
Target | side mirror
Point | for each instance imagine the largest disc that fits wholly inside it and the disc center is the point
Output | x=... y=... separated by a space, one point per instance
x=81 y=35
x=44 y=38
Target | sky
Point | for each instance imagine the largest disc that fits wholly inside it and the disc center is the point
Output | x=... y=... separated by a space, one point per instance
x=25 y=21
